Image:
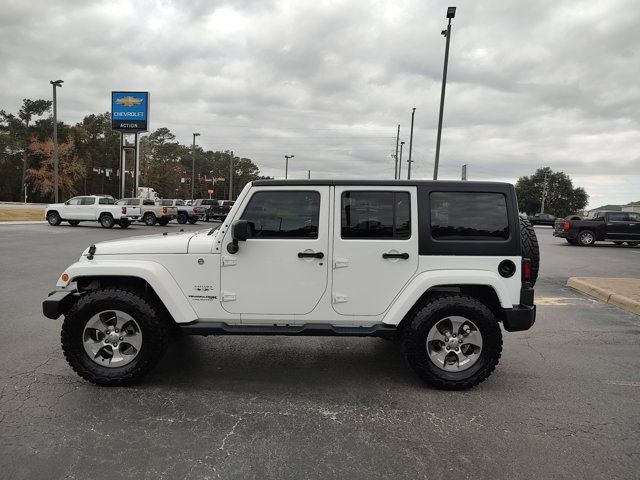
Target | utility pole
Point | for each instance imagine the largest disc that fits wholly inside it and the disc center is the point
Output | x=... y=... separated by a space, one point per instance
x=231 y=177
x=395 y=172
x=411 y=144
x=400 y=161
x=193 y=163
x=544 y=193
x=55 y=83
x=286 y=165
x=451 y=13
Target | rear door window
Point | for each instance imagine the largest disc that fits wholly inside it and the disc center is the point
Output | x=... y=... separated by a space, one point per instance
x=380 y=215
x=469 y=216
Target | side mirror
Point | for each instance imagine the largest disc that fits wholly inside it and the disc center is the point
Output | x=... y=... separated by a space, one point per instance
x=240 y=231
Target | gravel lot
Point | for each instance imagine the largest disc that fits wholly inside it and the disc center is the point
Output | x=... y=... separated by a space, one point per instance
x=563 y=403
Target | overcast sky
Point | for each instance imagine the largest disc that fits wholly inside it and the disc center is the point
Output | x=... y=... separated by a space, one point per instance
x=531 y=83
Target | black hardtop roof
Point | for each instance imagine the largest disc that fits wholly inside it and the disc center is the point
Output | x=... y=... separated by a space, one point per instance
x=381 y=183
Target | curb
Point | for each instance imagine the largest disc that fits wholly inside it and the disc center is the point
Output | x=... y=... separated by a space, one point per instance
x=25 y=222
x=605 y=295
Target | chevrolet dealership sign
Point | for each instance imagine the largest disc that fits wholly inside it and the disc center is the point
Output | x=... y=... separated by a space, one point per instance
x=129 y=111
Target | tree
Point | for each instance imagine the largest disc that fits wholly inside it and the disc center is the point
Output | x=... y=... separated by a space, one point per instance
x=20 y=131
x=71 y=169
x=561 y=197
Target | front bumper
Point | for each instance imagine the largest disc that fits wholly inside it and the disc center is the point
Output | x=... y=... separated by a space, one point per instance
x=58 y=303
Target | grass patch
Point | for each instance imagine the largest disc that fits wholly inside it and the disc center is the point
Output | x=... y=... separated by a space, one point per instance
x=21 y=215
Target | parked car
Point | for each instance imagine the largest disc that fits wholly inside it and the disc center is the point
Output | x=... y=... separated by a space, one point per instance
x=307 y=258
x=220 y=211
x=91 y=208
x=149 y=212
x=617 y=227
x=203 y=207
x=185 y=213
x=542 y=219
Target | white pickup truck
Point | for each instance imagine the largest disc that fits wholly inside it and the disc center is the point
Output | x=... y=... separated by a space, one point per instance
x=91 y=208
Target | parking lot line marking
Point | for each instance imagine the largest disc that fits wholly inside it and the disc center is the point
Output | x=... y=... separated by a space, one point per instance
x=623 y=383
x=555 y=301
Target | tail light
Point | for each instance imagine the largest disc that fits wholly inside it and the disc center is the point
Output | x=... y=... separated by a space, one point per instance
x=194 y=210
x=565 y=224
x=526 y=270
x=124 y=210
x=164 y=209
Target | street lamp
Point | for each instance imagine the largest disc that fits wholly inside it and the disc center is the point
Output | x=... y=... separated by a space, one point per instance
x=286 y=165
x=413 y=114
x=451 y=13
x=193 y=163
x=400 y=160
x=55 y=83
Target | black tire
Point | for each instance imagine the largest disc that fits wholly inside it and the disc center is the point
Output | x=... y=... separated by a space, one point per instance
x=618 y=243
x=530 y=249
x=74 y=223
x=149 y=219
x=193 y=220
x=633 y=244
x=124 y=223
x=54 y=219
x=153 y=325
x=425 y=316
x=107 y=221
x=163 y=222
x=182 y=218
x=586 y=238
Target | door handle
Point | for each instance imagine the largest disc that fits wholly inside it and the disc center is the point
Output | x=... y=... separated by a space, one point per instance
x=403 y=256
x=310 y=255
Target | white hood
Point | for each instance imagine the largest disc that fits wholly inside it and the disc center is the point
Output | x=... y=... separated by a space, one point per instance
x=170 y=243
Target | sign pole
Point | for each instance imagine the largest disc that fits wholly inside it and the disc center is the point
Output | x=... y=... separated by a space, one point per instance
x=122 y=159
x=137 y=163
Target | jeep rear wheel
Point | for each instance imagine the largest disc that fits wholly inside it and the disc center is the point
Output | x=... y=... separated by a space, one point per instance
x=452 y=342
x=54 y=219
x=114 y=336
x=107 y=221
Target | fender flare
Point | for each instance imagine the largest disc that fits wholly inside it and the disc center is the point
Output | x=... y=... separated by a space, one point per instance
x=405 y=301
x=156 y=275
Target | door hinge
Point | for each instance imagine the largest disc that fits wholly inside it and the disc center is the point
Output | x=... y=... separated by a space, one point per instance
x=228 y=296
x=340 y=298
x=228 y=261
x=340 y=262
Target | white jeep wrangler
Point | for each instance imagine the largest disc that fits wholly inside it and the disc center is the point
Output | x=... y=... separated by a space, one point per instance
x=437 y=265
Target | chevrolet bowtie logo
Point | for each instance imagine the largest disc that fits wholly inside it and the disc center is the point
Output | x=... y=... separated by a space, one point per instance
x=129 y=101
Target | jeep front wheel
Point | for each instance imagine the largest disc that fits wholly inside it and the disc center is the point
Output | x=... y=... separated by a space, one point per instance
x=452 y=341
x=113 y=336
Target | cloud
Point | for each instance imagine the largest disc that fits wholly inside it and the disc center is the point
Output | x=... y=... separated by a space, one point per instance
x=530 y=83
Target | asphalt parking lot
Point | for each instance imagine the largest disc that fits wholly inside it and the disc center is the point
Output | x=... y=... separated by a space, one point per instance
x=563 y=402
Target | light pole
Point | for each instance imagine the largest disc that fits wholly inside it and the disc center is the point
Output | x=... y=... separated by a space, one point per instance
x=451 y=13
x=193 y=163
x=286 y=165
x=231 y=176
x=395 y=172
x=400 y=160
x=55 y=83
x=413 y=113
